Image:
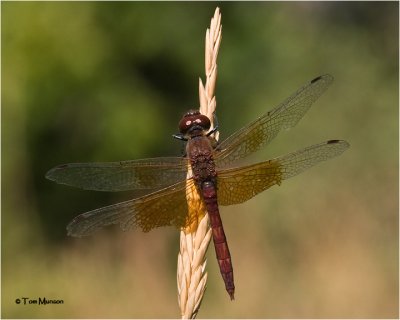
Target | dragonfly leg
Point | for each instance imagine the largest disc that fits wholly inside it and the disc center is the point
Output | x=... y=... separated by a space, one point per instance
x=179 y=136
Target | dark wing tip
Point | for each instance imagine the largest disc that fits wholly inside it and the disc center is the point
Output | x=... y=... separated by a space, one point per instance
x=326 y=77
x=342 y=145
x=316 y=79
x=334 y=141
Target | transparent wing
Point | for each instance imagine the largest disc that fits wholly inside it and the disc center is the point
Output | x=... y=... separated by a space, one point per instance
x=139 y=175
x=166 y=207
x=260 y=132
x=238 y=185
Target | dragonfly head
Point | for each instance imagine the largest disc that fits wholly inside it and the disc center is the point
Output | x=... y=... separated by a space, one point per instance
x=193 y=123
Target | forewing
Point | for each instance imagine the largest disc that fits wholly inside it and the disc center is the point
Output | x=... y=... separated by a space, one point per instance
x=139 y=175
x=238 y=185
x=260 y=132
x=166 y=207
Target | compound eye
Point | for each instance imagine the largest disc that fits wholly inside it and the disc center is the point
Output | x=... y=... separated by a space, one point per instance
x=185 y=124
x=203 y=121
x=193 y=119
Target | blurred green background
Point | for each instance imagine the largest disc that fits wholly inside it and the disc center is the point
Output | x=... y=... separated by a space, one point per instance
x=103 y=81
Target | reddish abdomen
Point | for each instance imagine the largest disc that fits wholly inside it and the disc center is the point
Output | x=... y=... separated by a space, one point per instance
x=220 y=243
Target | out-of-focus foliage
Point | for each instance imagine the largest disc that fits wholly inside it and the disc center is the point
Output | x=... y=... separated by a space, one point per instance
x=107 y=81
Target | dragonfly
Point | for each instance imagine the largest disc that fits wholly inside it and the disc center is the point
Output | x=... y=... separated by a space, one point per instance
x=165 y=189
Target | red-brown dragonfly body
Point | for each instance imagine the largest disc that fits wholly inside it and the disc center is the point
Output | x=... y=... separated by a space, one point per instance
x=160 y=185
x=194 y=127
